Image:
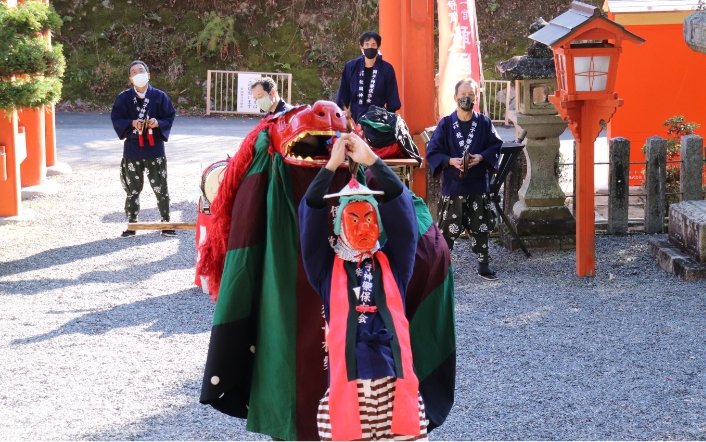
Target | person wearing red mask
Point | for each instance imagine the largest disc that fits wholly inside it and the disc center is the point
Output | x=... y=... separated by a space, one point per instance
x=373 y=390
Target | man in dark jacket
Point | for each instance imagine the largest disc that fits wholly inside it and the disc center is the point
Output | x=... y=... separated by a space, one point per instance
x=143 y=117
x=368 y=80
x=465 y=200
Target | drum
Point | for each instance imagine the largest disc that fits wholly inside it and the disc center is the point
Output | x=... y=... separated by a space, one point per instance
x=210 y=180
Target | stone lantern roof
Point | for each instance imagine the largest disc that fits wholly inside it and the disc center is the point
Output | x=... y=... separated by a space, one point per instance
x=536 y=65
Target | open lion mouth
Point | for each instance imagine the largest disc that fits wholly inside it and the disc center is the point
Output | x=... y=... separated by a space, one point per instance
x=309 y=148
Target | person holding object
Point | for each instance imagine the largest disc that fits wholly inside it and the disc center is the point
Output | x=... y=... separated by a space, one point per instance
x=264 y=91
x=143 y=117
x=368 y=80
x=463 y=148
x=373 y=390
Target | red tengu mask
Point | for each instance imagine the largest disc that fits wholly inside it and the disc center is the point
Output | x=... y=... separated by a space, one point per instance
x=359 y=225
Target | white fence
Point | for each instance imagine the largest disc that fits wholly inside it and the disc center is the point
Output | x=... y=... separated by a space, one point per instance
x=228 y=92
x=491 y=106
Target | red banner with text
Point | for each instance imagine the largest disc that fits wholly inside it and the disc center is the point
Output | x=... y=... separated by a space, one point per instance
x=459 y=53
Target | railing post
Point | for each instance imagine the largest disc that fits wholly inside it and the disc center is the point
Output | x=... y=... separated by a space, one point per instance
x=618 y=185
x=691 y=175
x=208 y=92
x=655 y=184
x=508 y=85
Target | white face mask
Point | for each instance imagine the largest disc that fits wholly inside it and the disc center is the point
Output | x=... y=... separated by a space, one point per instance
x=140 y=80
x=265 y=103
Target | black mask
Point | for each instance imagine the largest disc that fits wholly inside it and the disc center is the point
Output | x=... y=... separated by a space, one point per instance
x=370 y=53
x=465 y=103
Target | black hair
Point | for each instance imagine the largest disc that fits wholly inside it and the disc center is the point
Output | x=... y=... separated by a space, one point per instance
x=470 y=81
x=368 y=35
x=136 y=62
x=267 y=84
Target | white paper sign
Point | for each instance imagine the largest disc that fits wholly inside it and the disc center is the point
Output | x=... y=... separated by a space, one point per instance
x=246 y=102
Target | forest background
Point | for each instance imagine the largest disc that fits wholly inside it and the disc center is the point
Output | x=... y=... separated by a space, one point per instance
x=180 y=40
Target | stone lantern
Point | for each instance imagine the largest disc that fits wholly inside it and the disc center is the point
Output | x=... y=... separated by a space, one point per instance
x=695 y=31
x=539 y=216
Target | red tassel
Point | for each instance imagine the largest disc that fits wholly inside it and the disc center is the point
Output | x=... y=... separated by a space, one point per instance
x=213 y=249
x=141 y=139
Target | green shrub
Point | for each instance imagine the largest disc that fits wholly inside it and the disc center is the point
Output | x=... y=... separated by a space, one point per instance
x=29 y=93
x=30 y=70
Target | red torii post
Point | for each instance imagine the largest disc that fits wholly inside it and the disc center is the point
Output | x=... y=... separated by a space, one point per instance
x=407 y=29
x=34 y=168
x=10 y=191
x=586 y=47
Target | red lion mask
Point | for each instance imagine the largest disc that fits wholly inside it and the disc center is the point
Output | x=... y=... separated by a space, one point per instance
x=301 y=134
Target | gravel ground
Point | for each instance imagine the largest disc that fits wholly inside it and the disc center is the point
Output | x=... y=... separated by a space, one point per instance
x=104 y=338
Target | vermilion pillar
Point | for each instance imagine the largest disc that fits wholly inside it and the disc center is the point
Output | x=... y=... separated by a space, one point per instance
x=407 y=30
x=10 y=190
x=585 y=200
x=50 y=134
x=391 y=33
x=585 y=118
x=34 y=168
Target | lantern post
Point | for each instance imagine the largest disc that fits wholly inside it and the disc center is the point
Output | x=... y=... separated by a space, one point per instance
x=586 y=46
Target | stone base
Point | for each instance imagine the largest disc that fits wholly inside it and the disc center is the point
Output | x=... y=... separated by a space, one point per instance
x=44 y=189
x=687 y=228
x=550 y=220
x=59 y=169
x=537 y=242
x=27 y=215
x=673 y=260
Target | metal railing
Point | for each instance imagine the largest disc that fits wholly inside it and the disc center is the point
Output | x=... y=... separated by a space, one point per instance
x=228 y=92
x=491 y=106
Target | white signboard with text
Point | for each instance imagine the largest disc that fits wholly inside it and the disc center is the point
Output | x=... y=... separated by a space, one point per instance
x=246 y=102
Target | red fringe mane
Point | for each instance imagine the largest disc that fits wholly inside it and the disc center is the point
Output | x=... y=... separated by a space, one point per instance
x=213 y=249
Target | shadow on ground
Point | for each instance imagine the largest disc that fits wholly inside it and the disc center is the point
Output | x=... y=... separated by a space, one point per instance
x=189 y=421
x=188 y=212
x=183 y=258
x=168 y=314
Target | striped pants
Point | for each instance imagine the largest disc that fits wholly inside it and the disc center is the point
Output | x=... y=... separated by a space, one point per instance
x=375 y=399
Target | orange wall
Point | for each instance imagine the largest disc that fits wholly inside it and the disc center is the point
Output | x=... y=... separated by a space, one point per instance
x=659 y=79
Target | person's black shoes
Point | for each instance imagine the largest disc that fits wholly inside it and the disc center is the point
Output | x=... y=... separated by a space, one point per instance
x=168 y=233
x=127 y=234
x=486 y=273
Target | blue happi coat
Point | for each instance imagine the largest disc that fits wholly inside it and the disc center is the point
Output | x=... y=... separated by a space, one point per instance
x=373 y=359
x=445 y=144
x=126 y=109
x=385 y=93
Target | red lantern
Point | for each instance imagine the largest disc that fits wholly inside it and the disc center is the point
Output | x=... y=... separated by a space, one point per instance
x=586 y=47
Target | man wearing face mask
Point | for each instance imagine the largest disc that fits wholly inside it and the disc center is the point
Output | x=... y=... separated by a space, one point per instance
x=465 y=201
x=143 y=117
x=368 y=80
x=265 y=93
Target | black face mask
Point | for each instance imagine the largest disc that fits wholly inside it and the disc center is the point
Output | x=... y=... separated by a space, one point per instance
x=370 y=53
x=465 y=103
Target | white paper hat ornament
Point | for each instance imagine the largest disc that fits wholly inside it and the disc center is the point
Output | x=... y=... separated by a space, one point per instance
x=354 y=191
